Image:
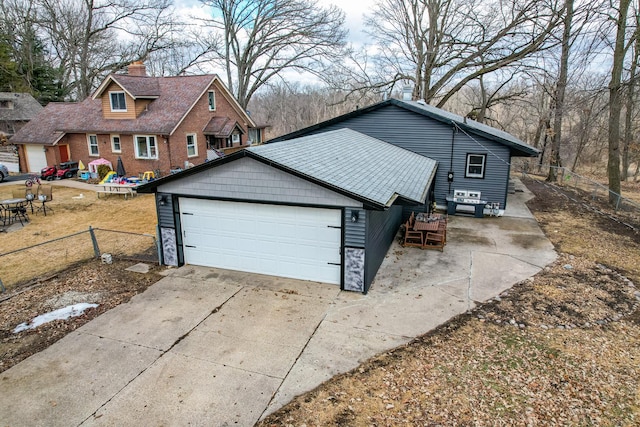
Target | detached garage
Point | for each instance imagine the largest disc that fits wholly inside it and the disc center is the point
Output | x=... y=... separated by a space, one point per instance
x=323 y=208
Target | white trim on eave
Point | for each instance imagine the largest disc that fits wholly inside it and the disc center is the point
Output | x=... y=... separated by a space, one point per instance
x=110 y=78
x=227 y=95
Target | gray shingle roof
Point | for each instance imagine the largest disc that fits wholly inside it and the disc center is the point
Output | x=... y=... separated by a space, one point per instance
x=24 y=108
x=355 y=163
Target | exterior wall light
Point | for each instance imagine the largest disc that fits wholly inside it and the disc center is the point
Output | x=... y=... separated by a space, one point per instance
x=354 y=216
x=164 y=199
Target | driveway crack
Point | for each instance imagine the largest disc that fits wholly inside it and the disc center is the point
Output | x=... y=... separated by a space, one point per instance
x=162 y=354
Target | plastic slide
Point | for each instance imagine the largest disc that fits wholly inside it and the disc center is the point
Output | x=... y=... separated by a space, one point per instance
x=107 y=178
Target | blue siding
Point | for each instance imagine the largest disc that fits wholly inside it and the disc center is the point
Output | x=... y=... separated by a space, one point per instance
x=355 y=232
x=382 y=227
x=432 y=139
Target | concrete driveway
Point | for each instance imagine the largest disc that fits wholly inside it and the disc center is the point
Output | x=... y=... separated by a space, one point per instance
x=213 y=347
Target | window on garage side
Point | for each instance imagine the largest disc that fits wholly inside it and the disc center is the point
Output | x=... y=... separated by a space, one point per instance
x=192 y=146
x=115 y=144
x=92 y=140
x=475 y=165
x=146 y=147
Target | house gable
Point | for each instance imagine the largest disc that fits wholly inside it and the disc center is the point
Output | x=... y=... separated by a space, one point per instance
x=255 y=181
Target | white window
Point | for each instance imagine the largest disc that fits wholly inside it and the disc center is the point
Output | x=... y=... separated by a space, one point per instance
x=115 y=144
x=146 y=147
x=118 y=101
x=192 y=146
x=93 y=145
x=212 y=100
x=475 y=165
x=235 y=138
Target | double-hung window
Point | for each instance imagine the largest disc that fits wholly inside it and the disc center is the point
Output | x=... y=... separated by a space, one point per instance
x=192 y=147
x=235 y=138
x=115 y=144
x=118 y=101
x=475 y=165
x=92 y=140
x=146 y=147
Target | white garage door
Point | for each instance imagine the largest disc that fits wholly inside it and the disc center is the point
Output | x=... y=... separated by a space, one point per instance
x=36 y=158
x=287 y=241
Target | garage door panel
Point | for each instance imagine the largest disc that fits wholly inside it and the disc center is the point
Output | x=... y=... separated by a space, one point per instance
x=287 y=241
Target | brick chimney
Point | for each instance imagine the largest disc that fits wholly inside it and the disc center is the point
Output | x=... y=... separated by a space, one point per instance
x=137 y=68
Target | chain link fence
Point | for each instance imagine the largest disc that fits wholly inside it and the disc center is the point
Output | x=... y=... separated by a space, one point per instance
x=50 y=257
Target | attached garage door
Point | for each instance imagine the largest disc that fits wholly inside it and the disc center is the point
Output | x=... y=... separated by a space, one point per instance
x=288 y=241
x=36 y=158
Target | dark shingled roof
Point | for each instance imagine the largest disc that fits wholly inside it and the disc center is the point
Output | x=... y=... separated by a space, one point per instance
x=138 y=86
x=220 y=127
x=177 y=96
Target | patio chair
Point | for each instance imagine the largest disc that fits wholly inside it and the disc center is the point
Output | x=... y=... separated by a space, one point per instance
x=411 y=237
x=434 y=240
x=45 y=195
x=18 y=212
x=19 y=193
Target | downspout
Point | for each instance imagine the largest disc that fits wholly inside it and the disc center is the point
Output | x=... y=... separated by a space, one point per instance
x=450 y=173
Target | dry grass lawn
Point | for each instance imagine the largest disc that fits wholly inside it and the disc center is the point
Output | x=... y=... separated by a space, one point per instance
x=561 y=348
x=71 y=215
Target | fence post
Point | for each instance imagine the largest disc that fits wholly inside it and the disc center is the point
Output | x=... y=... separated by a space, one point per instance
x=2 y=288
x=96 y=249
x=618 y=203
x=159 y=244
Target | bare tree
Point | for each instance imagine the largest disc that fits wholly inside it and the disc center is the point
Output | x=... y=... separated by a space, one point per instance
x=263 y=39
x=561 y=86
x=91 y=38
x=615 y=101
x=441 y=45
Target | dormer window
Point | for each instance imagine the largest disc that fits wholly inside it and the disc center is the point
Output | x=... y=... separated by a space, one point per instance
x=118 y=101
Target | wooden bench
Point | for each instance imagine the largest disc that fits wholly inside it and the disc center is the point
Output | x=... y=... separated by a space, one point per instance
x=125 y=190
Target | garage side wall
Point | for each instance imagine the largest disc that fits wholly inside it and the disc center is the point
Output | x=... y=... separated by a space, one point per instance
x=382 y=228
x=167 y=224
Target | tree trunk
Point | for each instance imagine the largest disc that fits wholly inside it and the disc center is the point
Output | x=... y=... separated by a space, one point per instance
x=554 y=160
x=628 y=116
x=615 y=104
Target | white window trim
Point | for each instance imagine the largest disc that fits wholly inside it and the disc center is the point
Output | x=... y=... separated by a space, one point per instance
x=209 y=96
x=113 y=147
x=235 y=138
x=119 y=110
x=96 y=145
x=135 y=146
x=195 y=145
x=468 y=174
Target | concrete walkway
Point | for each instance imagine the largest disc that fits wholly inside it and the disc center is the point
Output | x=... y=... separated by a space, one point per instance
x=212 y=347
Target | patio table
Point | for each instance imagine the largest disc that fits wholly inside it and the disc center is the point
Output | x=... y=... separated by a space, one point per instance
x=9 y=204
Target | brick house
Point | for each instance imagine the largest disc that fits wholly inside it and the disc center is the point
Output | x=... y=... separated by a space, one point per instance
x=152 y=123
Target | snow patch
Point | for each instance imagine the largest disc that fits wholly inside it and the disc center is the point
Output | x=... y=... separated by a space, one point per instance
x=60 y=314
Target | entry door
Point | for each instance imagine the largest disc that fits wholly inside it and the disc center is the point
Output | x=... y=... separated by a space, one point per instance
x=64 y=153
x=288 y=241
